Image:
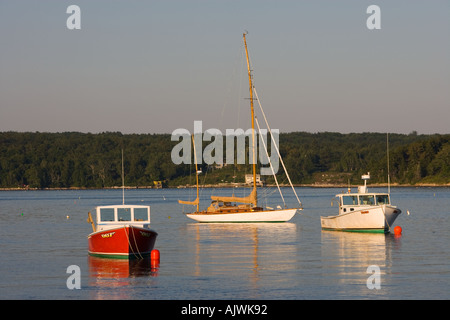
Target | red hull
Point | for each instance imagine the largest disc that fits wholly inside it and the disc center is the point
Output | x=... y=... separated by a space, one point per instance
x=122 y=242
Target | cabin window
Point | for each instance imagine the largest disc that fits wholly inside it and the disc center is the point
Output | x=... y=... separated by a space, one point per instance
x=124 y=214
x=107 y=214
x=382 y=199
x=367 y=200
x=140 y=214
x=350 y=200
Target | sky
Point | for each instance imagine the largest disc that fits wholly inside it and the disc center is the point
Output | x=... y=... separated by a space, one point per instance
x=157 y=66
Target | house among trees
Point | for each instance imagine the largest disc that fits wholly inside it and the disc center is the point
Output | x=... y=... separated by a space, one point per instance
x=249 y=179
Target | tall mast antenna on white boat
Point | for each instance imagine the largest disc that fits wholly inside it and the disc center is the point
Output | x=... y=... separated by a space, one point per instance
x=388 y=175
x=123 y=183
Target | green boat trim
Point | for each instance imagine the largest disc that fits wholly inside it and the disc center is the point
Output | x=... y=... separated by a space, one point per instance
x=119 y=256
x=359 y=230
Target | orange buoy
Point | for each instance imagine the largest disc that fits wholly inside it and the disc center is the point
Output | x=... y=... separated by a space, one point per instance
x=154 y=260
x=154 y=254
x=398 y=230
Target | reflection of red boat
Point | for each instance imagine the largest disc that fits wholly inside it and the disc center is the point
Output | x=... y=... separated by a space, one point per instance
x=106 y=274
x=101 y=268
x=122 y=231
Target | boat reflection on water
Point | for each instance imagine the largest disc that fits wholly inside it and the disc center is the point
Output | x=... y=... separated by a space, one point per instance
x=115 y=273
x=346 y=258
x=240 y=249
x=120 y=268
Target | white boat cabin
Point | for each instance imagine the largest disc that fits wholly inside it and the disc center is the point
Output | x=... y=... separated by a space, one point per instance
x=116 y=215
x=349 y=202
x=357 y=201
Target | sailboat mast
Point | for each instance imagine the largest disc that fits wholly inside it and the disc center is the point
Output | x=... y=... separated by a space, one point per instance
x=196 y=202
x=196 y=172
x=253 y=116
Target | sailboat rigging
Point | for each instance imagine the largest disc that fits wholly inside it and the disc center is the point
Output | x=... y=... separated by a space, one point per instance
x=222 y=208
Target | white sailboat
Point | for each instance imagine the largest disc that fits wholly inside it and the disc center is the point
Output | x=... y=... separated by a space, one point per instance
x=242 y=209
x=362 y=211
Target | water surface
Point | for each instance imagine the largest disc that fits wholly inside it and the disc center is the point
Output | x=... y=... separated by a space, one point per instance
x=44 y=232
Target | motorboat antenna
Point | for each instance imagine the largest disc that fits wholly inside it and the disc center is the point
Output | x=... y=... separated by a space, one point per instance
x=123 y=183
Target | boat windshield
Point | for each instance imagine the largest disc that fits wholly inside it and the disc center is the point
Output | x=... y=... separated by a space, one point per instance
x=106 y=214
x=140 y=214
x=136 y=214
x=124 y=214
x=350 y=200
x=382 y=199
x=367 y=200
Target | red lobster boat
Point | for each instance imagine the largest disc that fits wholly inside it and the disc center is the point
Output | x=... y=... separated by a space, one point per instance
x=122 y=231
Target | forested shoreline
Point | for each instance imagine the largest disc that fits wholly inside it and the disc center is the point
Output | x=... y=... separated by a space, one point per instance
x=84 y=160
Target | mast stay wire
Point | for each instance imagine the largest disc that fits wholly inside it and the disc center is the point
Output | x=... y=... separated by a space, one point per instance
x=276 y=147
x=270 y=162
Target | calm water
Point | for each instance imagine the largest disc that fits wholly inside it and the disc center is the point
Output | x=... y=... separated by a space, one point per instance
x=295 y=260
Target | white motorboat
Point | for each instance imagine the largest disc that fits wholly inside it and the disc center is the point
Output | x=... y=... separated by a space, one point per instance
x=362 y=211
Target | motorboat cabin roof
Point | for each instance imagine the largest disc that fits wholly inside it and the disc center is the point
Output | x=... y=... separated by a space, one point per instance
x=123 y=214
x=363 y=199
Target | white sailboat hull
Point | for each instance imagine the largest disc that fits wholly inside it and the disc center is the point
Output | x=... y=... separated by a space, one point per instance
x=370 y=219
x=252 y=216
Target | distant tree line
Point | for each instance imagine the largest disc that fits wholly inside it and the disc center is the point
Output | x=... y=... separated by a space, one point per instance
x=86 y=160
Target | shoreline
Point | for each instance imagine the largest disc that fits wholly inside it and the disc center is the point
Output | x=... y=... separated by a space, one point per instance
x=314 y=185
